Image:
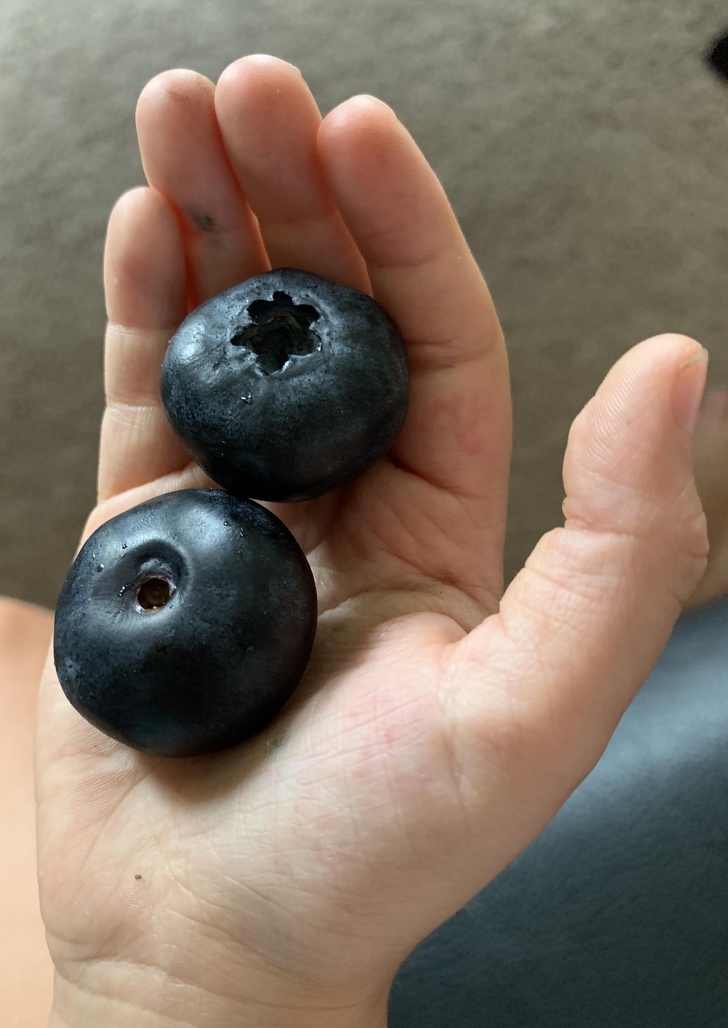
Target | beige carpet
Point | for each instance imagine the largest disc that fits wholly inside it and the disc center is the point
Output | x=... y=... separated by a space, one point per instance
x=583 y=144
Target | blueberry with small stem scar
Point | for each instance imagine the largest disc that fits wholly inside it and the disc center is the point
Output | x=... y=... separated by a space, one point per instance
x=196 y=634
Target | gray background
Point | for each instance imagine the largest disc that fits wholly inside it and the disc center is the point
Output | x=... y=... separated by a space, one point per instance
x=582 y=144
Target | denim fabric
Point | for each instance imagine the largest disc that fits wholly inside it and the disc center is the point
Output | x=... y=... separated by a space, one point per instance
x=616 y=916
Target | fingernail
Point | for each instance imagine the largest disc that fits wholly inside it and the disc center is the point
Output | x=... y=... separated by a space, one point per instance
x=688 y=388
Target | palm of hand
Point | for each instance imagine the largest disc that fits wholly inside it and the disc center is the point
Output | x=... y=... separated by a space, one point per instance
x=375 y=805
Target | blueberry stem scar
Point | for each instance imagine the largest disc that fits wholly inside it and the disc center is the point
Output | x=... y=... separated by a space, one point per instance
x=154 y=593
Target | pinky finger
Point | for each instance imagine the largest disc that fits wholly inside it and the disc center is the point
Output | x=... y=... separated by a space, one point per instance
x=145 y=286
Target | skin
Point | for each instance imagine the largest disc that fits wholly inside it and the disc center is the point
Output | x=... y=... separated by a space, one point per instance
x=710 y=444
x=26 y=993
x=442 y=722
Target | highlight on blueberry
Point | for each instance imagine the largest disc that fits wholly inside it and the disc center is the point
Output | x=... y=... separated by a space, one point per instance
x=185 y=624
x=286 y=386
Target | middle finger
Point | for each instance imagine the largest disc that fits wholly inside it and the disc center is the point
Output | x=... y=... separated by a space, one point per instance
x=269 y=121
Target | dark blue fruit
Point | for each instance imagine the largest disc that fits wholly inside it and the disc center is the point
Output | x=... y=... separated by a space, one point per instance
x=286 y=386
x=185 y=623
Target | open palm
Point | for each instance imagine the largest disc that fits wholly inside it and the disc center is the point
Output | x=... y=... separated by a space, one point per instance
x=440 y=724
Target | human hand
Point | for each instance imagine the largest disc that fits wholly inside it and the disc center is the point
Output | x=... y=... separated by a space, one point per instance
x=710 y=450
x=441 y=723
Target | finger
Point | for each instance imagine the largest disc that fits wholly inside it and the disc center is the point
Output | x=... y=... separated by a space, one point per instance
x=710 y=449
x=458 y=431
x=184 y=158
x=144 y=279
x=546 y=680
x=269 y=121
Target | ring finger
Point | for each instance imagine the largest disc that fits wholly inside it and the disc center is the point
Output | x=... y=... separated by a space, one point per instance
x=184 y=158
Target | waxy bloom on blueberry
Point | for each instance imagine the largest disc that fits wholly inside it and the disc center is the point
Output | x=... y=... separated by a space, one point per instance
x=185 y=624
x=286 y=386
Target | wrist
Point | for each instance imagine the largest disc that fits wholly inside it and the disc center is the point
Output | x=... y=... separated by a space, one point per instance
x=164 y=1004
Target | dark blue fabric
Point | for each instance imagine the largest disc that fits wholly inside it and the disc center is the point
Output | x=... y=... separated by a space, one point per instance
x=616 y=916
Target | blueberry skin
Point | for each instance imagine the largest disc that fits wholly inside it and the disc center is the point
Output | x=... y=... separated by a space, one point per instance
x=214 y=664
x=286 y=386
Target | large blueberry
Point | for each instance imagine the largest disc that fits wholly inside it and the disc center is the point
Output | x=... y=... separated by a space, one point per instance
x=286 y=386
x=185 y=623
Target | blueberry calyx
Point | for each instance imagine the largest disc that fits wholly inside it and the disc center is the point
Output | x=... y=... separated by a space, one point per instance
x=280 y=329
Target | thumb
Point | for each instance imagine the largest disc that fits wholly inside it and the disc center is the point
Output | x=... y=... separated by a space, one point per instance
x=544 y=682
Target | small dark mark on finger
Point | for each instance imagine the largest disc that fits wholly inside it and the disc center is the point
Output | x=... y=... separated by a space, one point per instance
x=202 y=221
x=137 y=877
